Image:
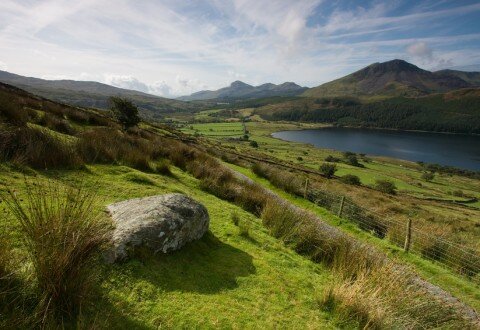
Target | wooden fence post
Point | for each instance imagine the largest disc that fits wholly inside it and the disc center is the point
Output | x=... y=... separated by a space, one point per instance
x=341 y=207
x=408 y=236
x=305 y=192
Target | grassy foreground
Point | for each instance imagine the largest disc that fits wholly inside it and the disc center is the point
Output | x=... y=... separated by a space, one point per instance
x=223 y=280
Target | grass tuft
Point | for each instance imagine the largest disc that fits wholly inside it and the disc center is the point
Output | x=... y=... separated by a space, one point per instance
x=62 y=233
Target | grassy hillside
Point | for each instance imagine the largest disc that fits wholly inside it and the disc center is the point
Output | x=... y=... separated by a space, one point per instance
x=456 y=111
x=95 y=95
x=266 y=262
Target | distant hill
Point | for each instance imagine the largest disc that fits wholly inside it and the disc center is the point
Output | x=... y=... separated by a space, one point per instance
x=395 y=78
x=455 y=111
x=94 y=94
x=240 y=90
x=470 y=77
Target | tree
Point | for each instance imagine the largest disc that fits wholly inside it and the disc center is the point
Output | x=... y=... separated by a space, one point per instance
x=125 y=111
x=328 y=169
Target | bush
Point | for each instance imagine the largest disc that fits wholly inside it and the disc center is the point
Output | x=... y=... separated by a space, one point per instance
x=253 y=144
x=11 y=111
x=351 y=159
x=428 y=176
x=386 y=186
x=351 y=179
x=332 y=159
x=63 y=232
x=37 y=148
x=328 y=169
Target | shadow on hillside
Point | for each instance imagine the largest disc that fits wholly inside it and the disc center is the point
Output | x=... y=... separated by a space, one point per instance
x=205 y=266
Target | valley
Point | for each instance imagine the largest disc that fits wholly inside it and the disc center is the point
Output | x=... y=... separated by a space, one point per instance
x=259 y=191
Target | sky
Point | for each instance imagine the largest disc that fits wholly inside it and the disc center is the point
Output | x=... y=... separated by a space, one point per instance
x=176 y=47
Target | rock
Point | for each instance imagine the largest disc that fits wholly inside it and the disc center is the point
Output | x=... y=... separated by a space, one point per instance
x=162 y=223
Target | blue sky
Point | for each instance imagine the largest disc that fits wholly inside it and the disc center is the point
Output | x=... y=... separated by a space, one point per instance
x=174 y=47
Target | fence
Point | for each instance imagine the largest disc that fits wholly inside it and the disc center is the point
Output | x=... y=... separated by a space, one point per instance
x=405 y=234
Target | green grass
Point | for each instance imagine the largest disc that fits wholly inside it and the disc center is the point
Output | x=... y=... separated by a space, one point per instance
x=222 y=280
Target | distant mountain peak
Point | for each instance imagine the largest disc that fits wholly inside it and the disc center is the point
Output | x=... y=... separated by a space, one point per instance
x=239 y=84
x=393 y=66
x=394 y=78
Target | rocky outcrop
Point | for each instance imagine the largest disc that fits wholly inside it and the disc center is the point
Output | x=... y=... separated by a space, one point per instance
x=162 y=223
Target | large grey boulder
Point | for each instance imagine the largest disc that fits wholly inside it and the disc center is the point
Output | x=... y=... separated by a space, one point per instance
x=162 y=223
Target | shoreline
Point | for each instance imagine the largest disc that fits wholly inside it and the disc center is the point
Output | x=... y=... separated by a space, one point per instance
x=374 y=128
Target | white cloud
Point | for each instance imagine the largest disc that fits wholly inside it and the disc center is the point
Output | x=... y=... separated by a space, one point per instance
x=3 y=66
x=174 y=48
x=420 y=49
x=127 y=82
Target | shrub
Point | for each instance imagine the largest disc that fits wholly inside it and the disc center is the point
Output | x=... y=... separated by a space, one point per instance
x=332 y=159
x=125 y=112
x=351 y=159
x=62 y=231
x=351 y=179
x=260 y=170
x=386 y=186
x=328 y=169
x=253 y=144
x=11 y=111
x=300 y=159
x=428 y=176
x=37 y=148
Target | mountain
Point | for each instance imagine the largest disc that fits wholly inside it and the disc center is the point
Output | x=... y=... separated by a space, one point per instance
x=470 y=77
x=394 y=78
x=240 y=90
x=93 y=94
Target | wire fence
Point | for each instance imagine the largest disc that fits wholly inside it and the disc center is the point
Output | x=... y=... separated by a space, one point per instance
x=406 y=234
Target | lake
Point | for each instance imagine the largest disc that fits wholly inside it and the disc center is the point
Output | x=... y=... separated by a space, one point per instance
x=461 y=151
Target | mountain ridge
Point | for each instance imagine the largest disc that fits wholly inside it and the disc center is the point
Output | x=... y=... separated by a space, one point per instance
x=93 y=94
x=240 y=90
x=395 y=78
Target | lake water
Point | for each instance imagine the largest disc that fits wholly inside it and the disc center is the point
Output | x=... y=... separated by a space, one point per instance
x=461 y=151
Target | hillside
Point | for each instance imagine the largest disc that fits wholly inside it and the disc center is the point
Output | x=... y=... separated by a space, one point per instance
x=456 y=111
x=472 y=78
x=249 y=271
x=239 y=90
x=394 y=78
x=93 y=94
